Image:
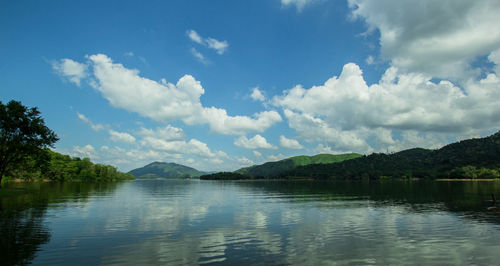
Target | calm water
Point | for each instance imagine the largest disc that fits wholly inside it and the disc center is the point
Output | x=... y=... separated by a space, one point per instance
x=178 y=222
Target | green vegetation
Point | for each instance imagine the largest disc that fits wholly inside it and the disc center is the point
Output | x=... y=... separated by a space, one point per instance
x=62 y=167
x=473 y=158
x=165 y=170
x=23 y=137
x=24 y=153
x=224 y=176
x=273 y=169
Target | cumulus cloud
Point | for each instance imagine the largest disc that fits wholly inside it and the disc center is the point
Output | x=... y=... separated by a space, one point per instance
x=257 y=142
x=95 y=127
x=86 y=151
x=121 y=136
x=290 y=143
x=164 y=101
x=437 y=38
x=257 y=95
x=345 y=111
x=71 y=70
x=222 y=123
x=173 y=141
x=219 y=46
x=165 y=133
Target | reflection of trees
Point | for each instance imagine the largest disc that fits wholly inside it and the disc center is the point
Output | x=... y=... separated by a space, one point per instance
x=22 y=232
x=22 y=228
x=417 y=196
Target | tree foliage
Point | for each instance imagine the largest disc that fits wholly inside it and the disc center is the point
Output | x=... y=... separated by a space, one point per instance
x=62 y=167
x=224 y=176
x=24 y=153
x=273 y=169
x=473 y=158
x=23 y=137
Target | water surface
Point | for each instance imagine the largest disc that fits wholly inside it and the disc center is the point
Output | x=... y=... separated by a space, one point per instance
x=178 y=222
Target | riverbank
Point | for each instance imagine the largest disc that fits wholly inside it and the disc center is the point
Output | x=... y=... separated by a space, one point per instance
x=469 y=179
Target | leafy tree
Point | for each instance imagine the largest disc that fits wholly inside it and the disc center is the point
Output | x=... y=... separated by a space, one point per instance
x=23 y=136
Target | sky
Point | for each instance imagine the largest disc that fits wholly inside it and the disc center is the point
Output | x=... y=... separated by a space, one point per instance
x=219 y=85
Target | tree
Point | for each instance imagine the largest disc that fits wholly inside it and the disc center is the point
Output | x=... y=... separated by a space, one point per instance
x=23 y=136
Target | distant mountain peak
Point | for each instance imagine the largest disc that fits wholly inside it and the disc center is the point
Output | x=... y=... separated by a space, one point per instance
x=166 y=170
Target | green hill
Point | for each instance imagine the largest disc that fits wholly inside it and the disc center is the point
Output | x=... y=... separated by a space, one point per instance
x=166 y=170
x=473 y=158
x=272 y=169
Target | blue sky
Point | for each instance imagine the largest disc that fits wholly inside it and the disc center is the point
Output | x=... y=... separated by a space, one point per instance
x=218 y=85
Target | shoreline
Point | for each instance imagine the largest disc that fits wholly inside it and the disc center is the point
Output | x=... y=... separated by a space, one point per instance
x=468 y=179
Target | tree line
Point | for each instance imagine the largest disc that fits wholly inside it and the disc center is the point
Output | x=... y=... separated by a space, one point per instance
x=25 y=143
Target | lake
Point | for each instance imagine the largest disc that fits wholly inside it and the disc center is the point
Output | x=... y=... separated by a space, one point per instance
x=179 y=222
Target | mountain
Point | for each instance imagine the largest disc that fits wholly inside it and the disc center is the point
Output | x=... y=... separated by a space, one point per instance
x=473 y=158
x=166 y=170
x=271 y=169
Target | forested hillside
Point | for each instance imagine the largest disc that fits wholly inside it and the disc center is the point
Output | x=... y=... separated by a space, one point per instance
x=166 y=170
x=272 y=169
x=473 y=158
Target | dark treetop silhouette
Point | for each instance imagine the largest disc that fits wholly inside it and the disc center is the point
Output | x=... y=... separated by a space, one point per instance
x=23 y=135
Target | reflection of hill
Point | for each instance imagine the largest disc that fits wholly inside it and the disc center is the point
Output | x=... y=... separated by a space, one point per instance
x=22 y=227
x=416 y=196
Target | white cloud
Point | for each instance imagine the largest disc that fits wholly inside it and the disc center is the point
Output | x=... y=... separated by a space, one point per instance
x=121 y=136
x=345 y=111
x=257 y=95
x=71 y=70
x=219 y=46
x=299 y=4
x=164 y=102
x=324 y=149
x=171 y=139
x=245 y=161
x=194 y=36
x=437 y=38
x=130 y=54
x=314 y=129
x=221 y=123
x=257 y=154
x=86 y=151
x=165 y=133
x=199 y=56
x=290 y=143
x=274 y=158
x=95 y=127
x=257 y=142
x=494 y=57
x=178 y=146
